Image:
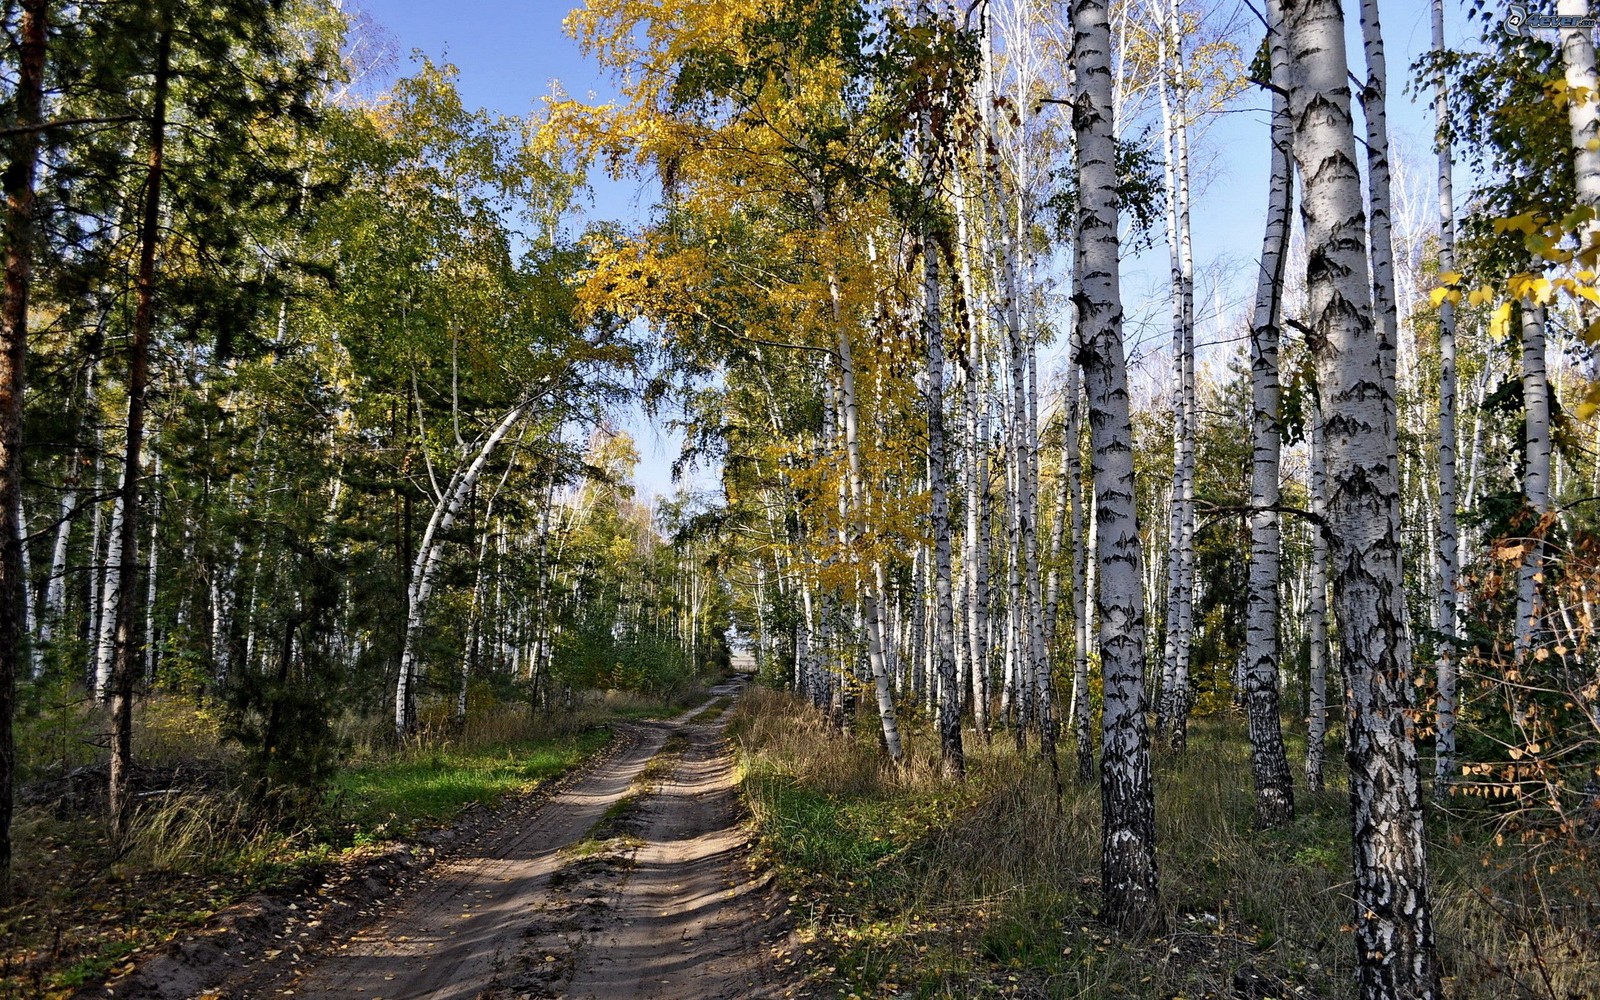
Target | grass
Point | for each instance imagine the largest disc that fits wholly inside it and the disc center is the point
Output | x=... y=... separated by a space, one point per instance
x=396 y=797
x=907 y=884
x=81 y=912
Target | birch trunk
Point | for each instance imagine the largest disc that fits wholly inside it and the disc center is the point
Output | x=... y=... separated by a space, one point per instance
x=1317 y=715
x=105 y=636
x=1072 y=469
x=426 y=567
x=1394 y=942
x=150 y=576
x=1180 y=574
x=30 y=618
x=974 y=554
x=1269 y=762
x=1447 y=554
x=887 y=717
x=1374 y=107
x=1583 y=116
x=1128 y=856
x=1535 y=488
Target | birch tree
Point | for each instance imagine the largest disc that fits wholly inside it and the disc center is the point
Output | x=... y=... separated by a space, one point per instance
x=1269 y=763
x=1446 y=556
x=1129 y=876
x=1394 y=941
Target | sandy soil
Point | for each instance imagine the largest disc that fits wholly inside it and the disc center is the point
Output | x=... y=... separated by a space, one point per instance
x=665 y=904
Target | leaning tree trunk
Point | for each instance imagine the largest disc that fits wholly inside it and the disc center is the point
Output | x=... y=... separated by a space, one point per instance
x=17 y=182
x=1395 y=951
x=122 y=671
x=425 y=568
x=1129 y=878
x=1445 y=558
x=1269 y=762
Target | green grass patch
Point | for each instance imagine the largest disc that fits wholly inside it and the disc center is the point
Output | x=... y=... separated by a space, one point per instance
x=396 y=797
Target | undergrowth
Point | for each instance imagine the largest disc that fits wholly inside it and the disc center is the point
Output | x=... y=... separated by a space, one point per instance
x=908 y=884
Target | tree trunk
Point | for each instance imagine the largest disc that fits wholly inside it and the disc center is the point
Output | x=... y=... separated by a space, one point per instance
x=1395 y=952
x=1172 y=703
x=950 y=748
x=1072 y=469
x=1128 y=855
x=18 y=183
x=1583 y=116
x=1446 y=556
x=122 y=673
x=426 y=568
x=1317 y=714
x=1535 y=490
x=1269 y=762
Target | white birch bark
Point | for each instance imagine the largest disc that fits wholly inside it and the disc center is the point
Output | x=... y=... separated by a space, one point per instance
x=1394 y=942
x=1128 y=858
x=55 y=590
x=974 y=539
x=151 y=577
x=30 y=615
x=1447 y=555
x=857 y=493
x=1317 y=715
x=425 y=567
x=1583 y=116
x=105 y=639
x=1174 y=703
x=1269 y=762
x=1072 y=470
x=1535 y=488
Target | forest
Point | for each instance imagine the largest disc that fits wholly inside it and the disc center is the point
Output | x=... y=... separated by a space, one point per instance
x=1128 y=616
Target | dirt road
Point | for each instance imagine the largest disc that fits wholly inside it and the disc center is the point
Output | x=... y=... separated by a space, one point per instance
x=630 y=882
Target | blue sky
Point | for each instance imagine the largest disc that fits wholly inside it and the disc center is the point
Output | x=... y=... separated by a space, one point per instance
x=509 y=52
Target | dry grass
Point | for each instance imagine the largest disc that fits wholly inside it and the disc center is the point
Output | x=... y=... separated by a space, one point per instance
x=912 y=885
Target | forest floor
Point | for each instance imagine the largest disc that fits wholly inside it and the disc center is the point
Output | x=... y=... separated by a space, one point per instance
x=906 y=883
x=631 y=878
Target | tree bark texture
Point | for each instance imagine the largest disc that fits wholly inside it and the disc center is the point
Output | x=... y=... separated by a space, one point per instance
x=18 y=183
x=1128 y=855
x=122 y=671
x=1269 y=761
x=1395 y=952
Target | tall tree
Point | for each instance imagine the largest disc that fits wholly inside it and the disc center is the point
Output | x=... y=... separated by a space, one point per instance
x=1269 y=762
x=1394 y=940
x=1129 y=875
x=17 y=181
x=123 y=668
x=1446 y=558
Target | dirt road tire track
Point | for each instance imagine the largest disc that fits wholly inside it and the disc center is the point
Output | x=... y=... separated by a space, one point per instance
x=482 y=921
x=677 y=914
